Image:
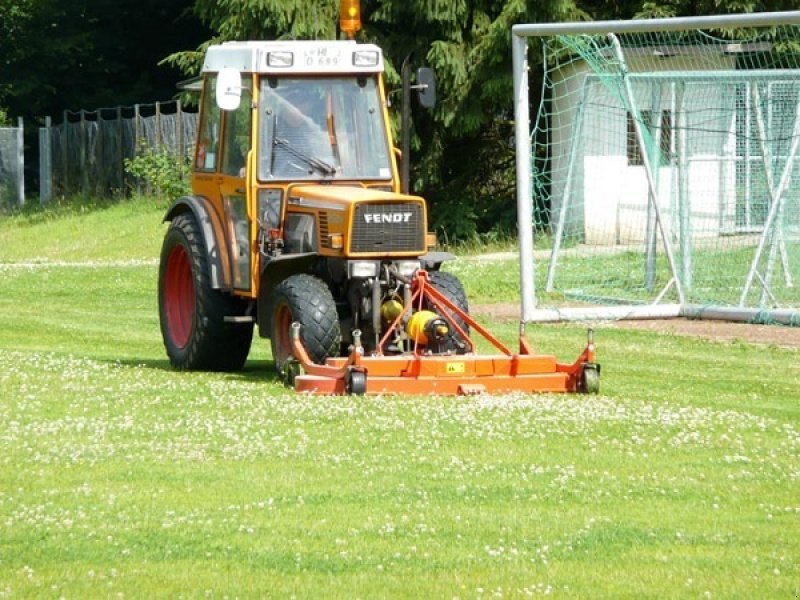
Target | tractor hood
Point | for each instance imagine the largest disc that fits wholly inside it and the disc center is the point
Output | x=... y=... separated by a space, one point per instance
x=342 y=196
x=364 y=222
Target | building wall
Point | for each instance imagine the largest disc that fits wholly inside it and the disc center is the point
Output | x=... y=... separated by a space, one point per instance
x=608 y=196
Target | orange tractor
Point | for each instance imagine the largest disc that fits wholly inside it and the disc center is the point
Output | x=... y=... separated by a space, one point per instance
x=296 y=225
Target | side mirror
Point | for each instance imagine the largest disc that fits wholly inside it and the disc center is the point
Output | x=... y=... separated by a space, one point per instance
x=426 y=86
x=229 y=89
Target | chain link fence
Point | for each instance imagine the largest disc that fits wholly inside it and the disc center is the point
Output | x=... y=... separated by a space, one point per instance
x=12 y=166
x=86 y=153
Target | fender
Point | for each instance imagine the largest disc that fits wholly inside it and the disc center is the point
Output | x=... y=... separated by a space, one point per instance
x=214 y=236
x=433 y=260
x=273 y=272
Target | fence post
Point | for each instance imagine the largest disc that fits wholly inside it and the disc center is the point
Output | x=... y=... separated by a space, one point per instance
x=65 y=154
x=82 y=158
x=45 y=162
x=136 y=119
x=20 y=162
x=120 y=163
x=99 y=160
x=136 y=122
x=158 y=124
x=179 y=132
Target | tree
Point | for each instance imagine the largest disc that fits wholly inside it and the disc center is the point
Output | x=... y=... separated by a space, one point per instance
x=462 y=158
x=466 y=166
x=89 y=53
x=466 y=161
x=675 y=8
x=278 y=19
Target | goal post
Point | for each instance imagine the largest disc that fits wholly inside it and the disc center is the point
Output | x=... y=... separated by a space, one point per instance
x=659 y=172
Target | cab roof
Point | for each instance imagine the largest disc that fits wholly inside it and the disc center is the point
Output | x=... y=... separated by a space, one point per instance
x=295 y=57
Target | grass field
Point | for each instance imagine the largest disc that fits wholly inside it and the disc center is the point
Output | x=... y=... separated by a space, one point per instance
x=719 y=274
x=122 y=478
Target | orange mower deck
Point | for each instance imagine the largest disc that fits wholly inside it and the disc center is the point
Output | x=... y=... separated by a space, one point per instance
x=418 y=372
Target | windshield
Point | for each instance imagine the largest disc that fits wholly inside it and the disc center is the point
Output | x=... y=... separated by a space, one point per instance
x=323 y=128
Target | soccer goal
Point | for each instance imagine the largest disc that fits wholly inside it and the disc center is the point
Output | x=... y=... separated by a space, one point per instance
x=658 y=168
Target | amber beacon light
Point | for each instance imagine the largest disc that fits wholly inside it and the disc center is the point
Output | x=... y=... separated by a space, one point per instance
x=350 y=17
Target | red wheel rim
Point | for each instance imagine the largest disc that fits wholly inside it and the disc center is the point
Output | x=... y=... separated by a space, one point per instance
x=179 y=296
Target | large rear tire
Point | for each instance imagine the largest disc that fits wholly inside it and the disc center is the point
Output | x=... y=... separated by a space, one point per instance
x=307 y=300
x=192 y=313
x=450 y=286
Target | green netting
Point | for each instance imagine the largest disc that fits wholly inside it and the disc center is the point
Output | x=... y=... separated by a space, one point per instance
x=668 y=162
x=89 y=149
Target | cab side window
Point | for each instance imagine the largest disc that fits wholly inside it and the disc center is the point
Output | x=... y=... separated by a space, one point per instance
x=208 y=132
x=237 y=134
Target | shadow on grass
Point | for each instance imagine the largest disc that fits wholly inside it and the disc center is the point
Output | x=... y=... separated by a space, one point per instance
x=33 y=213
x=254 y=370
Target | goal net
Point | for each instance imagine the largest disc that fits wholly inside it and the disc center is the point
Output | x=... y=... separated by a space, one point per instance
x=665 y=169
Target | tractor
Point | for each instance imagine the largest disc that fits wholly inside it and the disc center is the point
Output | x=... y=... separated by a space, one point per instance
x=297 y=226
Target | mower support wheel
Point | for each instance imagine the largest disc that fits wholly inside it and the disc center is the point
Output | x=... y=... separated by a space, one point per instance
x=590 y=379
x=356 y=383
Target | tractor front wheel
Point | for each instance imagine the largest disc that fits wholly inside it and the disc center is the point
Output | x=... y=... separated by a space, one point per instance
x=191 y=312
x=450 y=287
x=308 y=301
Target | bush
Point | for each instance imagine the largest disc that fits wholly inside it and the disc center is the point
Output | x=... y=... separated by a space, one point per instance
x=165 y=174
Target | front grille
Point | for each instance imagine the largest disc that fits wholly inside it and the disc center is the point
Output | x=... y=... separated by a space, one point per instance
x=324 y=238
x=392 y=227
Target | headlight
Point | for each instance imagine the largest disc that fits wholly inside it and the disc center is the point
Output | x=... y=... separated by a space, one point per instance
x=365 y=58
x=280 y=58
x=406 y=268
x=362 y=268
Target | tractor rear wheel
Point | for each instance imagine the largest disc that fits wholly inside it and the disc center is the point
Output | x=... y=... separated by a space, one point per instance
x=450 y=286
x=308 y=301
x=192 y=313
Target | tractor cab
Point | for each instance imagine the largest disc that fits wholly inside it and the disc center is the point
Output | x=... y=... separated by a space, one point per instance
x=317 y=121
